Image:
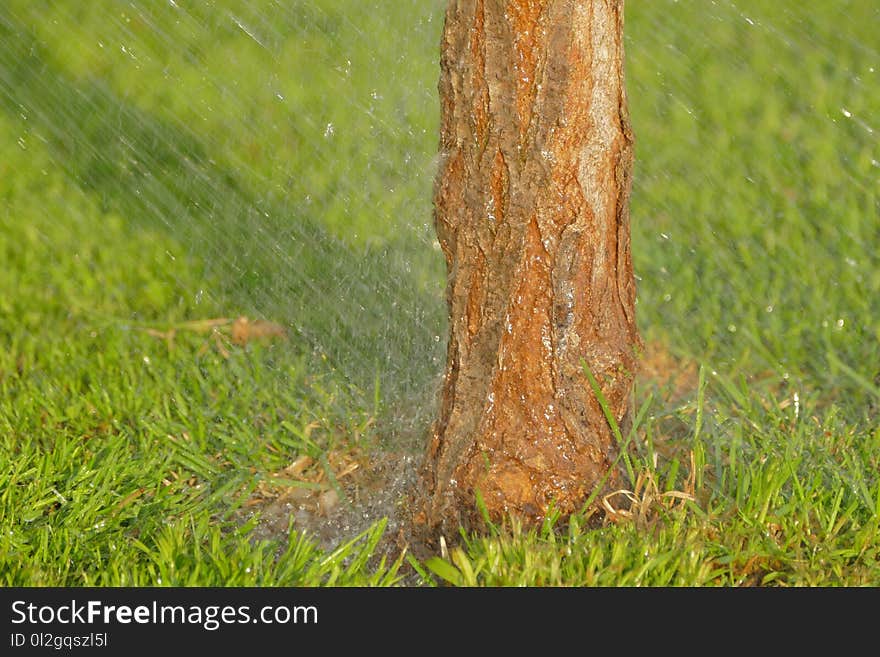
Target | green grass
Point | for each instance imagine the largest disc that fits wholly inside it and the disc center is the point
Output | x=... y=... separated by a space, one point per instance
x=160 y=166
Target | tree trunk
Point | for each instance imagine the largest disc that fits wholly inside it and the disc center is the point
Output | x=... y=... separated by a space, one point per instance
x=532 y=213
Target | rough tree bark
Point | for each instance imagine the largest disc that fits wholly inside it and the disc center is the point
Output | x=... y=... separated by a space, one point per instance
x=532 y=213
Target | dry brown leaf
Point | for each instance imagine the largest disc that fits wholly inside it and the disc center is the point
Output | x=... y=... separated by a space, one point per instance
x=245 y=330
x=239 y=331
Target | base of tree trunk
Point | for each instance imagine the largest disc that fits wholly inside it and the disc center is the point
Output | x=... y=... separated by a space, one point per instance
x=532 y=214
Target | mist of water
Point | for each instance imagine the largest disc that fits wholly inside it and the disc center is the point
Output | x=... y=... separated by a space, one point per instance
x=289 y=149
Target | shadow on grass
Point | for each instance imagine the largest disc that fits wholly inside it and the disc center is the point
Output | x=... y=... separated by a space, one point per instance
x=361 y=311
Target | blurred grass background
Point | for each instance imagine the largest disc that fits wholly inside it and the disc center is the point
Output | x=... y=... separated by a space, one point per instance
x=169 y=162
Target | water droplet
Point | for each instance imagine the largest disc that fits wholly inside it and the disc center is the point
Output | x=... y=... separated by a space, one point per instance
x=329 y=130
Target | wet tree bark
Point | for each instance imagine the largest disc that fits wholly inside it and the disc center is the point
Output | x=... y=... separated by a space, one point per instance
x=532 y=213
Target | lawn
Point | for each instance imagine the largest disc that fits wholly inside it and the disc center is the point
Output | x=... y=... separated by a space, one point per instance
x=222 y=312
